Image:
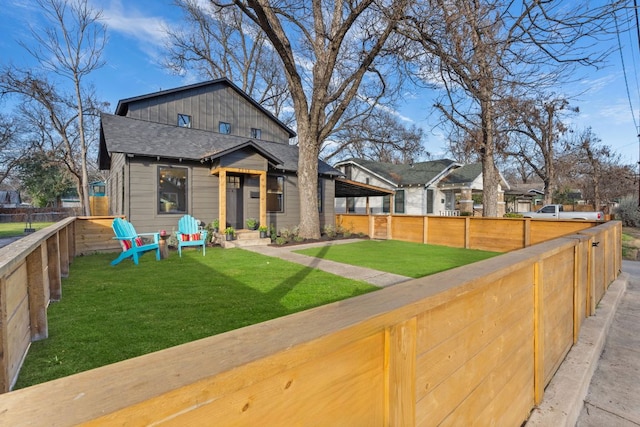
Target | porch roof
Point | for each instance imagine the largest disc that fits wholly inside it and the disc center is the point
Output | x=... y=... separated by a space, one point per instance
x=348 y=188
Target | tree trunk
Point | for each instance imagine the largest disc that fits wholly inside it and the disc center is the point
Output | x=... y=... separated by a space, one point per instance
x=490 y=175
x=308 y=184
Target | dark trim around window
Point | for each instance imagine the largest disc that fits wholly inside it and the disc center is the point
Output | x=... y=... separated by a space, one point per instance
x=172 y=190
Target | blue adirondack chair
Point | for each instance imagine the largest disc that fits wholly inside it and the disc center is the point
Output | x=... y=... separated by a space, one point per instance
x=190 y=234
x=132 y=243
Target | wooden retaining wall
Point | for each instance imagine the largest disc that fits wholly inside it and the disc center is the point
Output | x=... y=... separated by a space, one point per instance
x=473 y=345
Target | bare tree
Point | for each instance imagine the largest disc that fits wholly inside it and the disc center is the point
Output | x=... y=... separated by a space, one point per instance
x=481 y=50
x=379 y=136
x=12 y=149
x=537 y=127
x=219 y=42
x=598 y=171
x=327 y=50
x=69 y=47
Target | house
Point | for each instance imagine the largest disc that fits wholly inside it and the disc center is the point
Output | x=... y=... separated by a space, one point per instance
x=440 y=187
x=207 y=150
x=97 y=189
x=10 y=199
x=524 y=197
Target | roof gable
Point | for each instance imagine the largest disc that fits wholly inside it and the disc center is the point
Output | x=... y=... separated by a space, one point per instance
x=123 y=105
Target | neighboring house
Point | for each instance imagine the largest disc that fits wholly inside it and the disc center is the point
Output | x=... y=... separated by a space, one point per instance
x=439 y=187
x=97 y=189
x=207 y=150
x=10 y=199
x=524 y=197
x=70 y=199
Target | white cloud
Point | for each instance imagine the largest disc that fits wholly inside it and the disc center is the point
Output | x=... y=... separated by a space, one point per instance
x=146 y=30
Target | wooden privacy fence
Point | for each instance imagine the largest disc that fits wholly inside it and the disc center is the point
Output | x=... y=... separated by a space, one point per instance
x=491 y=234
x=31 y=272
x=473 y=345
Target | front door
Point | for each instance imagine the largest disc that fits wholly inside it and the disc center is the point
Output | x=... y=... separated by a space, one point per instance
x=234 y=201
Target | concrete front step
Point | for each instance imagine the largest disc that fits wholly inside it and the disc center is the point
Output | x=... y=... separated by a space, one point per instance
x=243 y=238
x=240 y=243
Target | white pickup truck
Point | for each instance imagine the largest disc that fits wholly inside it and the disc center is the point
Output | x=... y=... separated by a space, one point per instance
x=557 y=212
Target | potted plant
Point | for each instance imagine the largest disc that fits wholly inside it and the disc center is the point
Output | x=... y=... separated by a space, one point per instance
x=252 y=223
x=263 y=231
x=230 y=233
x=216 y=225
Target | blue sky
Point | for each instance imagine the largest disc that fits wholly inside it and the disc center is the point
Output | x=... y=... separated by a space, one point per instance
x=134 y=49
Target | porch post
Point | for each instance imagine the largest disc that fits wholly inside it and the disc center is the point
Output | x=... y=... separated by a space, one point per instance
x=466 y=201
x=263 y=199
x=502 y=208
x=222 y=199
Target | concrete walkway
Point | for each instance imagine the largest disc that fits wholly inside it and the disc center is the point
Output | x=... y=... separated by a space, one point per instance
x=598 y=383
x=374 y=277
x=613 y=398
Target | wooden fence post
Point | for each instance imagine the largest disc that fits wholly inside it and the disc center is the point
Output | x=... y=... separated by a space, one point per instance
x=63 y=247
x=400 y=373
x=38 y=282
x=538 y=334
x=467 y=232
x=425 y=229
x=4 y=338
x=71 y=235
x=53 y=263
x=526 y=232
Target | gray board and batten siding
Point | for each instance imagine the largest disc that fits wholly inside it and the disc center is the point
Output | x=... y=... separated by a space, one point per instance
x=202 y=197
x=208 y=105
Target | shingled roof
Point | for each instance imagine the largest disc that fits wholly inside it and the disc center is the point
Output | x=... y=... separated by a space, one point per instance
x=463 y=174
x=142 y=138
x=420 y=173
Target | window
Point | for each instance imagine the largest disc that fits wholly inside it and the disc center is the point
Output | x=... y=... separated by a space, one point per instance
x=398 y=206
x=386 y=204
x=172 y=190
x=351 y=204
x=224 y=127
x=256 y=133
x=184 y=120
x=275 y=193
x=233 y=181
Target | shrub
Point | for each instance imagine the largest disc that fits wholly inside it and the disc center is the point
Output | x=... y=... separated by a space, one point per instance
x=280 y=240
x=513 y=215
x=628 y=212
x=286 y=234
x=330 y=231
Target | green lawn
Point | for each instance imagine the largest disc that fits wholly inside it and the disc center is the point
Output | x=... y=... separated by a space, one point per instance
x=108 y=314
x=12 y=229
x=404 y=258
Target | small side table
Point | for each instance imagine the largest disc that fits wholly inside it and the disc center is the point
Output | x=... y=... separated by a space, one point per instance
x=164 y=247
